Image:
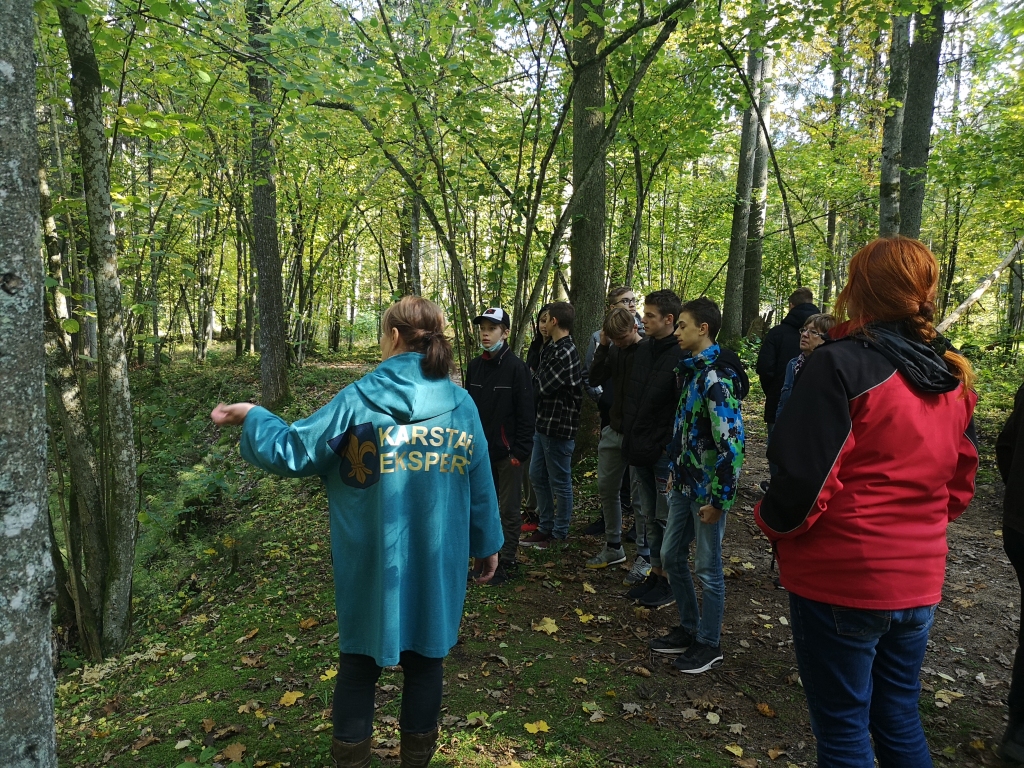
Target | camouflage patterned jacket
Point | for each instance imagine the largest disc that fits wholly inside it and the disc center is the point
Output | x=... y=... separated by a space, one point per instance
x=706 y=452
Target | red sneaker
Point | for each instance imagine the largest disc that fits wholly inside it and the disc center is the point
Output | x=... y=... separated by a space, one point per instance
x=530 y=521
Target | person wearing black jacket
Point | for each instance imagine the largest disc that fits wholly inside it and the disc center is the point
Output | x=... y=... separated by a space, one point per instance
x=1010 y=460
x=648 y=411
x=500 y=385
x=780 y=345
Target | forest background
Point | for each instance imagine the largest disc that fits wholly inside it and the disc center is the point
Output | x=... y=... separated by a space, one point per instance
x=275 y=174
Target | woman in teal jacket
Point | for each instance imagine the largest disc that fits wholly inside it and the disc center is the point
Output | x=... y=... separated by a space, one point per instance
x=404 y=458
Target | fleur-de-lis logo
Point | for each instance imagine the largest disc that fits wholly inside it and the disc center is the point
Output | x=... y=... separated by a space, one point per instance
x=354 y=453
x=357 y=449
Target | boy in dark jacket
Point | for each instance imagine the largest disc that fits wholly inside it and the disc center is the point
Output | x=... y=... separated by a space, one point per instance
x=558 y=394
x=1010 y=460
x=499 y=383
x=780 y=345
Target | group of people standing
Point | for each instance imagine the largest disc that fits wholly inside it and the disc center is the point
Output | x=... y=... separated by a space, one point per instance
x=871 y=440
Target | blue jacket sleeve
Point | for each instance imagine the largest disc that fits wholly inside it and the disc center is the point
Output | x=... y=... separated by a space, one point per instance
x=727 y=431
x=485 y=534
x=270 y=443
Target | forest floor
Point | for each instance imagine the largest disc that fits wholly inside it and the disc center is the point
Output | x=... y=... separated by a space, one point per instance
x=235 y=645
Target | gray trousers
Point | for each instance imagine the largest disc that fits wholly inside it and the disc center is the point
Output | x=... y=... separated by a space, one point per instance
x=508 y=483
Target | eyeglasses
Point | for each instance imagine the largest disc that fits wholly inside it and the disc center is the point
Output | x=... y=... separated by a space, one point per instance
x=627 y=302
x=812 y=332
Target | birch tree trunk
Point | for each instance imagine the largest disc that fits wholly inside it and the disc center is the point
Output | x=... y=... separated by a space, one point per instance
x=758 y=206
x=27 y=738
x=118 y=481
x=732 y=308
x=915 y=144
x=266 y=251
x=892 y=128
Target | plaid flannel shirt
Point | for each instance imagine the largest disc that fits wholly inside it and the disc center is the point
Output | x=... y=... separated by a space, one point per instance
x=558 y=389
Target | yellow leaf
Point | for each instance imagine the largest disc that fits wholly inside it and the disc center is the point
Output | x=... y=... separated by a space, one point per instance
x=209 y=551
x=539 y=726
x=546 y=625
x=765 y=710
x=748 y=566
x=290 y=697
x=585 y=617
x=234 y=752
x=776 y=752
x=978 y=744
x=329 y=674
x=589 y=589
x=713 y=717
x=308 y=623
x=580 y=680
x=735 y=749
x=735 y=559
x=248 y=635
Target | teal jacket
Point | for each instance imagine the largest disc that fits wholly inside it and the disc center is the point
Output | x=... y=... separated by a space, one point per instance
x=411 y=498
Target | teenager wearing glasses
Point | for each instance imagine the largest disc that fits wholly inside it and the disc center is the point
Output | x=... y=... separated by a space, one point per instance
x=812 y=335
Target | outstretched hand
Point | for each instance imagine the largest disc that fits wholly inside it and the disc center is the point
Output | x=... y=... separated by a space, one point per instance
x=225 y=415
x=487 y=567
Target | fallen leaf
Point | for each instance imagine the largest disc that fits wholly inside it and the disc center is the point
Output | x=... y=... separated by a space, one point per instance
x=584 y=617
x=580 y=680
x=597 y=717
x=944 y=698
x=783 y=621
x=290 y=697
x=765 y=710
x=734 y=749
x=713 y=718
x=227 y=730
x=539 y=726
x=309 y=623
x=642 y=671
x=736 y=728
x=776 y=752
x=748 y=566
x=589 y=589
x=546 y=625
x=330 y=674
x=244 y=709
x=591 y=706
x=145 y=741
x=978 y=744
x=188 y=657
x=689 y=714
x=234 y=752
x=248 y=635
x=183 y=744
x=208 y=723
x=477 y=718
x=632 y=709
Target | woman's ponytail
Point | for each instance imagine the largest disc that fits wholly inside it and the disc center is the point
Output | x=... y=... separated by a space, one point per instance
x=420 y=323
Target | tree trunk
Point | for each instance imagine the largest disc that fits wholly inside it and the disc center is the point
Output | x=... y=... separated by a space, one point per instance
x=732 y=308
x=27 y=591
x=892 y=128
x=117 y=476
x=586 y=242
x=758 y=207
x=266 y=252
x=409 y=282
x=983 y=286
x=915 y=144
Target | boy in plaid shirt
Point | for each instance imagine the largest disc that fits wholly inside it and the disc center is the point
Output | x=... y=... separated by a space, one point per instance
x=558 y=395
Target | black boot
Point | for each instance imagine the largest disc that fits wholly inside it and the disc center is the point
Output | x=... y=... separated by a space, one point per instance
x=418 y=748
x=345 y=755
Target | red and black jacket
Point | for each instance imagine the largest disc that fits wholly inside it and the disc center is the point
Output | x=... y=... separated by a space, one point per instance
x=876 y=453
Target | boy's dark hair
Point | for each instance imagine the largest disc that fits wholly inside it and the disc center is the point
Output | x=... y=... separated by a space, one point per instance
x=801 y=296
x=704 y=310
x=666 y=301
x=563 y=312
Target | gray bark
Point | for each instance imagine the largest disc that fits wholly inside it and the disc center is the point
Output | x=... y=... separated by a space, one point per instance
x=266 y=251
x=117 y=476
x=758 y=207
x=983 y=286
x=586 y=241
x=892 y=128
x=27 y=738
x=732 y=306
x=922 y=83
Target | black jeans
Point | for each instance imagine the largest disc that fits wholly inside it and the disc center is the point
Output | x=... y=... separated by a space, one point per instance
x=1013 y=543
x=356 y=684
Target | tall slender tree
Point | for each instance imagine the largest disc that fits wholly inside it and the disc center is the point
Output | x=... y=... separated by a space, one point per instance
x=758 y=206
x=27 y=738
x=892 y=127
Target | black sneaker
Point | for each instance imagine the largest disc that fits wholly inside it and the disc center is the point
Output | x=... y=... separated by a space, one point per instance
x=504 y=572
x=596 y=528
x=676 y=641
x=1011 y=749
x=645 y=586
x=699 y=658
x=659 y=596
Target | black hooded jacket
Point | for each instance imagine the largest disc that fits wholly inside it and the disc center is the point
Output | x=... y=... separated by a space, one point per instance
x=651 y=398
x=1010 y=460
x=781 y=344
x=501 y=386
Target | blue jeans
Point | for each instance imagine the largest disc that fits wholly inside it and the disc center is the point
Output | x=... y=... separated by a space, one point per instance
x=551 y=475
x=684 y=526
x=650 y=494
x=860 y=673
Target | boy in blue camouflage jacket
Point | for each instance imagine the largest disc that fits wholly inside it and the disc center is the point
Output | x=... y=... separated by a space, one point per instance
x=705 y=458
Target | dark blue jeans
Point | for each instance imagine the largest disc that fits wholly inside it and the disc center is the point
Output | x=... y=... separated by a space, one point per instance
x=860 y=673
x=551 y=475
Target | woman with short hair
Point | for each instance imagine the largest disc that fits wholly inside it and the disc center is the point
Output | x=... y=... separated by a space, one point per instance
x=876 y=454
x=404 y=458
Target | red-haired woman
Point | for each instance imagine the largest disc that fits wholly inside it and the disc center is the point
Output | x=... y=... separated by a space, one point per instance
x=877 y=454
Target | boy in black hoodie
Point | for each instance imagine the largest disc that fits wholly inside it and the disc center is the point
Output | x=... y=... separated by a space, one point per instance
x=500 y=385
